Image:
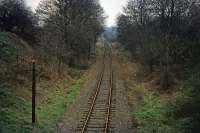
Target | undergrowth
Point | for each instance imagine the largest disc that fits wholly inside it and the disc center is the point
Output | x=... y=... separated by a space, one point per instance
x=51 y=111
x=15 y=111
x=177 y=112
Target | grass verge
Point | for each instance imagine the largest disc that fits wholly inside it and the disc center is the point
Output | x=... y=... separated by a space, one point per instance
x=174 y=111
x=15 y=112
x=53 y=100
x=161 y=112
x=58 y=102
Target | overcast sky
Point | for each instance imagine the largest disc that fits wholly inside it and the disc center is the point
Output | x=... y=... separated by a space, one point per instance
x=111 y=7
x=32 y=3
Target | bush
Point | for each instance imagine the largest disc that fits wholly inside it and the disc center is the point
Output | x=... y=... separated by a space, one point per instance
x=8 y=55
x=158 y=114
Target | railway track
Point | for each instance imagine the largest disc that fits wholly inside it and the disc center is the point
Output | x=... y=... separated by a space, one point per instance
x=99 y=112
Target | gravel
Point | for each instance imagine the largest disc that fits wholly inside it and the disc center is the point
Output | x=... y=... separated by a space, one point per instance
x=121 y=120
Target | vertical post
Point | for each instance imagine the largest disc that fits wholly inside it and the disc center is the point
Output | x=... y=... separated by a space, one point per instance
x=33 y=91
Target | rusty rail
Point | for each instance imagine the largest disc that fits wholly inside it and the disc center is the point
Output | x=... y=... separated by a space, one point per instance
x=110 y=97
x=108 y=108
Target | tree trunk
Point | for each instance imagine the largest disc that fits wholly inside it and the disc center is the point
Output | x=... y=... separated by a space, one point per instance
x=89 y=51
x=165 y=78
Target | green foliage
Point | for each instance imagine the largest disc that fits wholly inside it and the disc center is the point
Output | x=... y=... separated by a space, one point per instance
x=152 y=108
x=15 y=112
x=175 y=113
x=49 y=113
x=8 y=50
x=191 y=106
x=156 y=114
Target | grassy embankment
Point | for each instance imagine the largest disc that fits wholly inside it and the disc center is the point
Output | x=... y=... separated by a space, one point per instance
x=176 y=110
x=53 y=97
x=16 y=111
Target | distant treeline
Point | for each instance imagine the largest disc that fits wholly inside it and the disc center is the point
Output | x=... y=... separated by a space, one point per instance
x=161 y=33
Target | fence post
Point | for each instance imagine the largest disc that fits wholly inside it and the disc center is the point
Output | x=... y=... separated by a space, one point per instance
x=33 y=91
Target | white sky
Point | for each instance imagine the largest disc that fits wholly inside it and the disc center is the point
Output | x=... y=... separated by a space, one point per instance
x=112 y=8
x=32 y=3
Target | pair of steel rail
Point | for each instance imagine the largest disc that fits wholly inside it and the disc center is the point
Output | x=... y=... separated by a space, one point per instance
x=98 y=86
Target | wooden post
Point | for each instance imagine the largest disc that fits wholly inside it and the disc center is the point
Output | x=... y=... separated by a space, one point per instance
x=33 y=91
